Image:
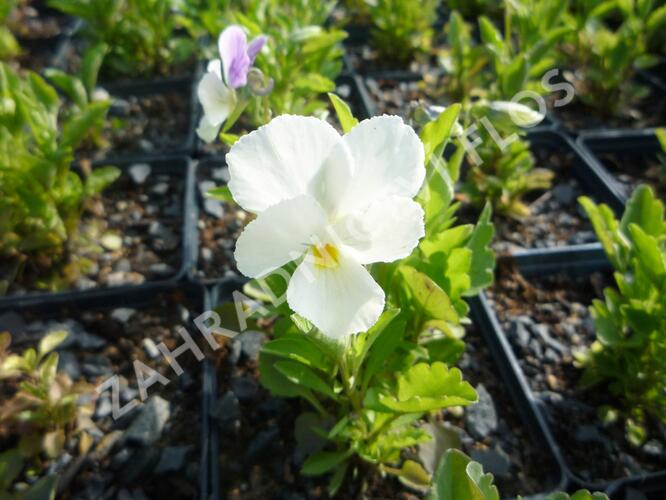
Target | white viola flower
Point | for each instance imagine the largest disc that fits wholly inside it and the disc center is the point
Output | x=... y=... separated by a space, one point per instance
x=332 y=203
x=521 y=115
x=216 y=89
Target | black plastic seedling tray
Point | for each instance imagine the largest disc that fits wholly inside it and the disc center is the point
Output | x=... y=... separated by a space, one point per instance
x=182 y=169
x=140 y=298
x=574 y=261
x=596 y=181
x=632 y=142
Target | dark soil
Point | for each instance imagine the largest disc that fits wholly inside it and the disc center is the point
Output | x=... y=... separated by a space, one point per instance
x=393 y=97
x=367 y=60
x=106 y=343
x=141 y=124
x=220 y=224
x=69 y=60
x=547 y=321
x=529 y=465
x=31 y=20
x=632 y=169
x=646 y=113
x=148 y=220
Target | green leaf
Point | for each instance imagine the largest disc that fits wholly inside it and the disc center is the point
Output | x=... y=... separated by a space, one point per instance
x=438 y=131
x=412 y=475
x=44 y=489
x=91 y=64
x=428 y=299
x=76 y=129
x=579 y=495
x=644 y=210
x=514 y=76
x=483 y=257
x=50 y=341
x=324 y=461
x=314 y=82
x=274 y=380
x=459 y=478
x=11 y=464
x=384 y=345
x=649 y=253
x=70 y=85
x=222 y=193
x=300 y=374
x=301 y=349
x=100 y=178
x=342 y=109
x=425 y=387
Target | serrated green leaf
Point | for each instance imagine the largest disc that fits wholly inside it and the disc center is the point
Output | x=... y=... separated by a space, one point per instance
x=425 y=387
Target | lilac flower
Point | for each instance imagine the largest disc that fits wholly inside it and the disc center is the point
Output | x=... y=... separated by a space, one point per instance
x=216 y=89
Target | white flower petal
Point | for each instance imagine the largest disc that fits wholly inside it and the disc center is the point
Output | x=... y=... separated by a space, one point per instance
x=279 y=161
x=385 y=231
x=278 y=235
x=339 y=301
x=217 y=100
x=215 y=66
x=333 y=179
x=207 y=131
x=388 y=160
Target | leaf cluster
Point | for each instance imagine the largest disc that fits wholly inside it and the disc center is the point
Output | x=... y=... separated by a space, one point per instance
x=629 y=354
x=44 y=409
x=142 y=36
x=41 y=196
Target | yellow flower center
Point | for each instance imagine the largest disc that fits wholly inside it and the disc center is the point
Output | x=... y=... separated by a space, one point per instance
x=327 y=256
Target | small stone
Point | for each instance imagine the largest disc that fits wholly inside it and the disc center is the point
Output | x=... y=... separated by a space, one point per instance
x=535 y=348
x=261 y=442
x=481 y=418
x=205 y=186
x=124 y=278
x=122 y=266
x=251 y=342
x=151 y=348
x=69 y=364
x=244 y=387
x=120 y=458
x=213 y=207
x=653 y=448
x=122 y=314
x=96 y=366
x=164 y=238
x=11 y=322
x=146 y=146
x=106 y=444
x=160 y=189
x=147 y=426
x=518 y=331
x=496 y=462
x=553 y=382
x=206 y=254
x=103 y=408
x=235 y=350
x=120 y=108
x=141 y=465
x=226 y=409
x=172 y=459
x=111 y=241
x=139 y=172
x=564 y=193
x=161 y=269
